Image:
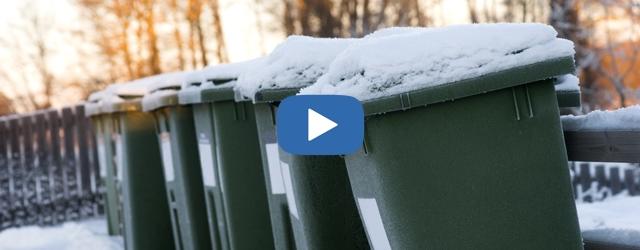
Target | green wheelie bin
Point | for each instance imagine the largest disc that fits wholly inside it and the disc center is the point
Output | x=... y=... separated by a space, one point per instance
x=312 y=191
x=103 y=128
x=234 y=183
x=474 y=164
x=463 y=146
x=181 y=163
x=146 y=218
x=308 y=195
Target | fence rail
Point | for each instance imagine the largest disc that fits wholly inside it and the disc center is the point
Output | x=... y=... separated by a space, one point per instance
x=48 y=169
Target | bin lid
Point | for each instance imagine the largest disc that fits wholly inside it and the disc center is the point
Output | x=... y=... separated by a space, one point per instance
x=165 y=91
x=214 y=83
x=93 y=104
x=127 y=97
x=297 y=62
x=439 y=64
x=568 y=91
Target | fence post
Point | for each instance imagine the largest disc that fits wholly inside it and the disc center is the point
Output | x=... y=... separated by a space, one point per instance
x=16 y=174
x=56 y=167
x=31 y=173
x=602 y=187
x=85 y=172
x=629 y=181
x=98 y=186
x=585 y=182
x=5 y=215
x=71 y=179
x=614 y=176
x=44 y=174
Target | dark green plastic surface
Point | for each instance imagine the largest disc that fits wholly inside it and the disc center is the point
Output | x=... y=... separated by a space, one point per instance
x=278 y=208
x=241 y=200
x=185 y=191
x=325 y=215
x=103 y=127
x=483 y=171
x=147 y=221
x=568 y=99
x=213 y=195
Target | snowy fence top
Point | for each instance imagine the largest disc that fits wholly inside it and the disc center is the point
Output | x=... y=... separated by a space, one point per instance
x=297 y=62
x=621 y=119
x=407 y=59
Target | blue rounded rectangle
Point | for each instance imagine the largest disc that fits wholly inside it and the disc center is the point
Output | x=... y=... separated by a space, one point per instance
x=320 y=124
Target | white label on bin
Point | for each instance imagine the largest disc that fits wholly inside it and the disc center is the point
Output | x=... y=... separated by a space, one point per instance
x=288 y=184
x=102 y=158
x=275 y=172
x=119 y=158
x=167 y=156
x=373 y=223
x=206 y=164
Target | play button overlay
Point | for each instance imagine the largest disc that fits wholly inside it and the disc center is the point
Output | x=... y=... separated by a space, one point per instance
x=320 y=125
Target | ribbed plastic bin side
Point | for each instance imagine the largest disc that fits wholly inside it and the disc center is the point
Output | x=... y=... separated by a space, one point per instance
x=175 y=135
x=146 y=217
x=317 y=195
x=476 y=164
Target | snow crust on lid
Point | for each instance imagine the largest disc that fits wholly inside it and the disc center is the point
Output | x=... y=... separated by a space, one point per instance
x=97 y=96
x=297 y=62
x=567 y=83
x=227 y=73
x=411 y=59
x=393 y=31
x=172 y=80
x=622 y=119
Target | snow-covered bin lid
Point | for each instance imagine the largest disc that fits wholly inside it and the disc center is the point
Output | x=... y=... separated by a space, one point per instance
x=624 y=119
x=568 y=91
x=438 y=64
x=127 y=96
x=93 y=105
x=164 y=92
x=214 y=83
x=297 y=62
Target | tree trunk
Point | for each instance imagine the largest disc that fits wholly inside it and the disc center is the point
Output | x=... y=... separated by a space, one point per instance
x=221 y=47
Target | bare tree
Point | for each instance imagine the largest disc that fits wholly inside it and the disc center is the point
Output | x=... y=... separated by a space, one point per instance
x=350 y=18
x=29 y=48
x=221 y=48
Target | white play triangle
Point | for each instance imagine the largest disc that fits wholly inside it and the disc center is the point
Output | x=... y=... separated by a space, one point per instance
x=318 y=124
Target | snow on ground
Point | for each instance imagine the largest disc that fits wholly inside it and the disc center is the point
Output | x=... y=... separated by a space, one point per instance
x=409 y=59
x=614 y=217
x=89 y=234
x=619 y=213
x=621 y=119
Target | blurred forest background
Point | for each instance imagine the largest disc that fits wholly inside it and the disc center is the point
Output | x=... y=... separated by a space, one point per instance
x=46 y=64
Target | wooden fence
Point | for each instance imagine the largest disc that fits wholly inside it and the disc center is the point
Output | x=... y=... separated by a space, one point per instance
x=48 y=170
x=595 y=181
